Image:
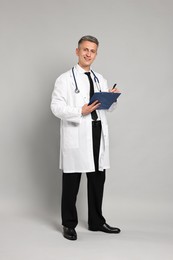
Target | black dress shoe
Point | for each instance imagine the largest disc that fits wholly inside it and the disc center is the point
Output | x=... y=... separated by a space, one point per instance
x=69 y=233
x=107 y=229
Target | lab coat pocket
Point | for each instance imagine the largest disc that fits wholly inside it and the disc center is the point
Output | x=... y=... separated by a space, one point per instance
x=70 y=135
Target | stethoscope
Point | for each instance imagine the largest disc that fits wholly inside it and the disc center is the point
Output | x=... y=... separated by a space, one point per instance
x=96 y=80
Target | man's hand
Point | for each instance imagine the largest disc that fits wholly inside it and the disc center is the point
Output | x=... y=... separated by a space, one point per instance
x=87 y=109
x=114 y=90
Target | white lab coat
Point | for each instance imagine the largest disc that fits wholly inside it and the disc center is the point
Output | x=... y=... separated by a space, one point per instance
x=76 y=148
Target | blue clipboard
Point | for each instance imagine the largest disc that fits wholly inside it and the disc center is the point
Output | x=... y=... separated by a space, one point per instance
x=105 y=98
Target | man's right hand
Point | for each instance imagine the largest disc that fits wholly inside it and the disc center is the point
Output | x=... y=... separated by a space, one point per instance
x=87 y=109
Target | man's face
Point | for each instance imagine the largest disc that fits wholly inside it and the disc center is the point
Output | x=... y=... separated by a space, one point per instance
x=86 y=53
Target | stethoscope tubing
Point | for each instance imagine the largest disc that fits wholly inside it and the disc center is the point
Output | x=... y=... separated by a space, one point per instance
x=95 y=79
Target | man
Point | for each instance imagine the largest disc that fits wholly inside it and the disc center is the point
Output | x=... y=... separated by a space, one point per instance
x=84 y=145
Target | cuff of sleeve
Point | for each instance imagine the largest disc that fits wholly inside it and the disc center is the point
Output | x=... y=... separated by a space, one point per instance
x=112 y=107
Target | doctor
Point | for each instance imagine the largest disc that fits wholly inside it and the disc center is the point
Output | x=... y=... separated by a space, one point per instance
x=84 y=140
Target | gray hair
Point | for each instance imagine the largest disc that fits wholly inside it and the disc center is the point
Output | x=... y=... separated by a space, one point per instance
x=88 y=38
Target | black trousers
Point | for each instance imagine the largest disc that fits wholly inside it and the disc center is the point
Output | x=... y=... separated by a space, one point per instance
x=95 y=188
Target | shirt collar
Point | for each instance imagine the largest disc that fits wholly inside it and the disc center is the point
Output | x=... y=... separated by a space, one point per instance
x=80 y=69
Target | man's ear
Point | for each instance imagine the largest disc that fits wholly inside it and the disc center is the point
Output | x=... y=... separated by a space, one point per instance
x=77 y=51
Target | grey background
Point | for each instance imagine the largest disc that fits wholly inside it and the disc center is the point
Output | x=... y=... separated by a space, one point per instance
x=38 y=41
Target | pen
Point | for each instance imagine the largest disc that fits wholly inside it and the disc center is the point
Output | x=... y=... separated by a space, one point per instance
x=114 y=86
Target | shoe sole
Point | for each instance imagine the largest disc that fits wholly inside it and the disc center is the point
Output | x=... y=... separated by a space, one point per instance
x=70 y=238
x=98 y=230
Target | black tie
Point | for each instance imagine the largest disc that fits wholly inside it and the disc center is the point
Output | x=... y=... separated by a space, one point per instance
x=94 y=113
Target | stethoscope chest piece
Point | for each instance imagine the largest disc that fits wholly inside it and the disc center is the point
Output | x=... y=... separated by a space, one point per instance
x=77 y=90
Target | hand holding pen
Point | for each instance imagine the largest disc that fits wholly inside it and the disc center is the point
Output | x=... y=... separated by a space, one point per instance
x=115 y=89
